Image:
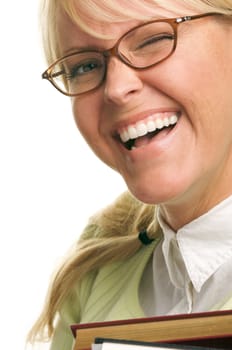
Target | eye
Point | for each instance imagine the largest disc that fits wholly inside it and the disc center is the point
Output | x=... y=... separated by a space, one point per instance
x=83 y=68
x=153 y=41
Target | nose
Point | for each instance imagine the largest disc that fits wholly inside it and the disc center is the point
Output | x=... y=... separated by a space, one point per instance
x=122 y=82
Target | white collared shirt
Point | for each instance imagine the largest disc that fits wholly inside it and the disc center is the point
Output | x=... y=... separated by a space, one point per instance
x=191 y=270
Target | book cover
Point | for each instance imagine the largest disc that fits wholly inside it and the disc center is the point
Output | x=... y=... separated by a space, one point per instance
x=212 y=329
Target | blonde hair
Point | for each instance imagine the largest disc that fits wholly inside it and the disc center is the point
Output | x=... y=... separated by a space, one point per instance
x=87 y=12
x=112 y=234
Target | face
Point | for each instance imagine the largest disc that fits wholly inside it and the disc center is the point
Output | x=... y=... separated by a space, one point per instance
x=188 y=163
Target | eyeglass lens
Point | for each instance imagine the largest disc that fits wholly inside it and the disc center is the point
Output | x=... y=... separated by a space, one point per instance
x=141 y=47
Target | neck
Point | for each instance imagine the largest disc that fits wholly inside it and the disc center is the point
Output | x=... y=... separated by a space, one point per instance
x=178 y=215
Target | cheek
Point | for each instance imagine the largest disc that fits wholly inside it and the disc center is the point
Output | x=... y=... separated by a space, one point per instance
x=85 y=115
x=86 y=119
x=201 y=85
x=86 y=125
x=200 y=82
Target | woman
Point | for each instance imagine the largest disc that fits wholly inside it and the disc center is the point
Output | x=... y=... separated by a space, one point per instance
x=150 y=87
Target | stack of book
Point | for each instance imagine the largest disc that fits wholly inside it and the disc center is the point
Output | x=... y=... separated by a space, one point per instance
x=210 y=330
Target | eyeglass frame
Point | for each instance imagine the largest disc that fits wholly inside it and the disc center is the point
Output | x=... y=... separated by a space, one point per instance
x=113 y=51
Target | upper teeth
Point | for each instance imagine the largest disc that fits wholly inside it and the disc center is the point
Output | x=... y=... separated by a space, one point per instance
x=150 y=124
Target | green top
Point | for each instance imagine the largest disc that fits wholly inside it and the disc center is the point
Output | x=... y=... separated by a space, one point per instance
x=108 y=294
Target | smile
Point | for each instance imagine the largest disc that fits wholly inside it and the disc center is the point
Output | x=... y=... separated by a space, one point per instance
x=132 y=135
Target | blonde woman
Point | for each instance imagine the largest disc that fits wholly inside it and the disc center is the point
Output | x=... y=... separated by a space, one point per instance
x=150 y=85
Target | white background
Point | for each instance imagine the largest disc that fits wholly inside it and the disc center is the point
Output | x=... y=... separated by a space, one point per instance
x=50 y=183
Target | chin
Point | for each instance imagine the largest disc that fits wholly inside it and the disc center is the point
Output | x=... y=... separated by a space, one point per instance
x=150 y=196
x=156 y=193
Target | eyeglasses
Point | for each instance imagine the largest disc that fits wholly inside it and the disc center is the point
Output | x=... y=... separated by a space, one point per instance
x=142 y=47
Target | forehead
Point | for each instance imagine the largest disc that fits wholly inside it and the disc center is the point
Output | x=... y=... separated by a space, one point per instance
x=108 y=24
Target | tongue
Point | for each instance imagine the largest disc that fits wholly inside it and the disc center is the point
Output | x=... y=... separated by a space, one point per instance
x=142 y=141
x=145 y=140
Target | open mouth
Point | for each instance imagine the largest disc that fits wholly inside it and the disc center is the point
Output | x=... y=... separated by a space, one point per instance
x=141 y=133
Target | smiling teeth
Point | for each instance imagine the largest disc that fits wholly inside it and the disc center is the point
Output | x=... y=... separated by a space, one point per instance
x=151 y=124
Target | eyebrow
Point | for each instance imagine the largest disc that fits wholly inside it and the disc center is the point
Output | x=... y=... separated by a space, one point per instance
x=81 y=49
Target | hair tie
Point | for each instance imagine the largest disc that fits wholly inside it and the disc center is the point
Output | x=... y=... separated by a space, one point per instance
x=143 y=237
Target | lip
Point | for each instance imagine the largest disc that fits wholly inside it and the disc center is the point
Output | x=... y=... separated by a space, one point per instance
x=131 y=120
x=156 y=146
x=140 y=118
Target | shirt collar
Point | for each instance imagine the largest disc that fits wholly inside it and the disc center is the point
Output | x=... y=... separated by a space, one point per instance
x=204 y=244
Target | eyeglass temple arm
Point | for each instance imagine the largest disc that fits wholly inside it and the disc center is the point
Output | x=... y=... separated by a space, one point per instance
x=183 y=19
x=46 y=75
x=189 y=18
